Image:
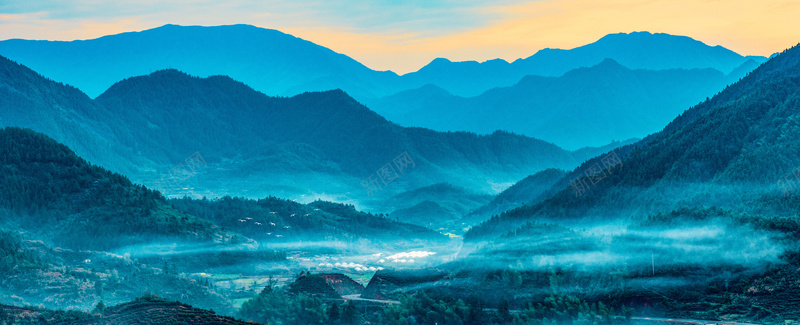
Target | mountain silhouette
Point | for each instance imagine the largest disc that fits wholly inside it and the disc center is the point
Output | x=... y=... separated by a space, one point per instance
x=144 y=126
x=637 y=50
x=268 y=60
x=733 y=151
x=280 y=64
x=586 y=106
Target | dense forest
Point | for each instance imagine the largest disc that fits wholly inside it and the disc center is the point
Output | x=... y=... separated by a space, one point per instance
x=279 y=220
x=49 y=190
x=730 y=151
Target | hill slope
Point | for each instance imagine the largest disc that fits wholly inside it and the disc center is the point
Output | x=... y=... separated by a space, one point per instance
x=732 y=151
x=272 y=220
x=177 y=109
x=584 y=107
x=143 y=126
x=76 y=228
x=523 y=192
x=268 y=60
x=59 y=196
x=143 y=310
x=61 y=111
x=304 y=145
x=637 y=50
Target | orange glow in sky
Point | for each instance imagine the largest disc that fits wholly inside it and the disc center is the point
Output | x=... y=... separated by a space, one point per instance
x=403 y=38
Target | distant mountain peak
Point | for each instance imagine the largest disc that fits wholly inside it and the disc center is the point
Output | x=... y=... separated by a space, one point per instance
x=496 y=61
x=437 y=64
x=610 y=62
x=268 y=60
x=639 y=35
x=170 y=72
x=233 y=26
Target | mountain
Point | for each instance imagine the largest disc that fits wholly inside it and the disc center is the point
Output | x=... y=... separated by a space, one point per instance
x=51 y=192
x=144 y=309
x=525 y=191
x=54 y=194
x=445 y=201
x=733 y=151
x=697 y=212
x=464 y=78
x=279 y=64
x=421 y=213
x=72 y=234
x=268 y=60
x=310 y=144
x=586 y=106
x=169 y=112
x=637 y=50
x=61 y=111
x=274 y=221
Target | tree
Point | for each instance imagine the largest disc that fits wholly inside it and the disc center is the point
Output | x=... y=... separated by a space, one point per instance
x=503 y=311
x=98 y=287
x=333 y=312
x=99 y=308
x=627 y=312
x=476 y=313
x=350 y=314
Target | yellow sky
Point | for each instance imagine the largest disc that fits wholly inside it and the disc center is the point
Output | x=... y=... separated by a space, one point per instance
x=747 y=27
x=507 y=31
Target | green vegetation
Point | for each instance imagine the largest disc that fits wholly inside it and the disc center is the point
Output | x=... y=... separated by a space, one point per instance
x=274 y=305
x=420 y=308
x=312 y=284
x=59 y=195
x=692 y=223
x=729 y=151
x=148 y=308
x=13 y=255
x=266 y=218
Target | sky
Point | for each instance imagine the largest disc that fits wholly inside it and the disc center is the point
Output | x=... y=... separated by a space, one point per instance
x=403 y=36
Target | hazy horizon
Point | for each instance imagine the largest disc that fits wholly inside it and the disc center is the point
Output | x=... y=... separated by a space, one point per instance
x=265 y=169
x=404 y=37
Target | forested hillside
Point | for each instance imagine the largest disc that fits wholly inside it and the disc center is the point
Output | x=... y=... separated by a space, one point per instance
x=732 y=151
x=50 y=191
x=277 y=220
x=145 y=127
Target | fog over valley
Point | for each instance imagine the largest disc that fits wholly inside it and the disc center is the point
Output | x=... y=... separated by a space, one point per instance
x=234 y=174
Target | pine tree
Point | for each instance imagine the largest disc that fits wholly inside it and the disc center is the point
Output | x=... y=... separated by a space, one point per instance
x=99 y=308
x=503 y=311
x=350 y=314
x=333 y=312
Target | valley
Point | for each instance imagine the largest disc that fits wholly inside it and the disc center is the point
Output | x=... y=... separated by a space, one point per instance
x=640 y=179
